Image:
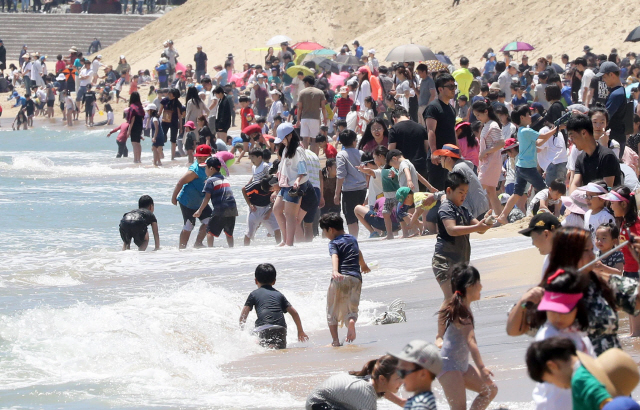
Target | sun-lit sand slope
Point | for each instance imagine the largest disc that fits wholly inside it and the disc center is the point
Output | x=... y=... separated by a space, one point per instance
x=468 y=29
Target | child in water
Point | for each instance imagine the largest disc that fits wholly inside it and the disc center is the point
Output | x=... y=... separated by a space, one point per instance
x=271 y=306
x=459 y=342
x=134 y=225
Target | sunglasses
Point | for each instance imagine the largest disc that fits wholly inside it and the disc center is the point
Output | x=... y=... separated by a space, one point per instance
x=450 y=86
x=404 y=373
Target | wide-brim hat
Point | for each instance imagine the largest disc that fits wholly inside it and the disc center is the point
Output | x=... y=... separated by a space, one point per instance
x=615 y=369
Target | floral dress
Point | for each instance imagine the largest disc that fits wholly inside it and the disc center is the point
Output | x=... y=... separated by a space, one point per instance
x=603 y=319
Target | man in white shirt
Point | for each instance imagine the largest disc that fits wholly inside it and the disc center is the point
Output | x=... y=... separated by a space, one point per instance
x=171 y=54
x=506 y=78
x=36 y=72
x=26 y=72
x=587 y=76
x=86 y=74
x=373 y=61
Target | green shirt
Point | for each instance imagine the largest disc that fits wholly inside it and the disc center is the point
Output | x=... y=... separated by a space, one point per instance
x=588 y=393
x=389 y=185
x=463 y=78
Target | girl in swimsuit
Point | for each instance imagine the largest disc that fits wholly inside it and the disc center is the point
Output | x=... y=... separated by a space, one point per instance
x=460 y=341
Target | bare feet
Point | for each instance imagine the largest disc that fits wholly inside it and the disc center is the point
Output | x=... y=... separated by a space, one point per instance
x=502 y=220
x=336 y=343
x=351 y=331
x=281 y=244
x=198 y=245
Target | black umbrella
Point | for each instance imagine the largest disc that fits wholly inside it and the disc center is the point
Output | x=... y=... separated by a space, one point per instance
x=328 y=65
x=558 y=69
x=634 y=36
x=444 y=59
x=347 y=60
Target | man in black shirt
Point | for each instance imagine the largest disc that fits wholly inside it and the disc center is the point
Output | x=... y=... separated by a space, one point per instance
x=440 y=118
x=598 y=91
x=616 y=103
x=411 y=139
x=88 y=99
x=525 y=64
x=595 y=162
x=200 y=59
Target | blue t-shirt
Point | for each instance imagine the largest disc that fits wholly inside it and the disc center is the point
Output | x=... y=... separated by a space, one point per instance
x=359 y=52
x=490 y=66
x=162 y=72
x=528 y=153
x=518 y=101
x=191 y=193
x=346 y=247
x=222 y=200
x=223 y=77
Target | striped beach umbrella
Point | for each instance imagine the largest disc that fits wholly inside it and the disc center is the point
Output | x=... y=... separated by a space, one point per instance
x=517 y=46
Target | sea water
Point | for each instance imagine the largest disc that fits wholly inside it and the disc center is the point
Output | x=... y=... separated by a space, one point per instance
x=85 y=325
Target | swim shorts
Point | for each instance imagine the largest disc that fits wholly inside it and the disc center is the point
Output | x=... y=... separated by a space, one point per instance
x=255 y=219
x=217 y=224
x=187 y=214
x=343 y=299
x=274 y=337
x=351 y=199
x=136 y=231
x=441 y=266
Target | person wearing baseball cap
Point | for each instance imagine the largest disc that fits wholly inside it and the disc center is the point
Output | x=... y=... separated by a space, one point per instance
x=188 y=193
x=616 y=102
x=190 y=140
x=419 y=363
x=225 y=210
x=541 y=229
x=476 y=200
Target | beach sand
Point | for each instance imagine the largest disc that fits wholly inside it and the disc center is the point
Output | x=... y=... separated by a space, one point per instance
x=504 y=279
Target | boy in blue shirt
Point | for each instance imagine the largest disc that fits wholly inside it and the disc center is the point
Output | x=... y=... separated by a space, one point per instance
x=224 y=213
x=527 y=164
x=271 y=306
x=343 y=296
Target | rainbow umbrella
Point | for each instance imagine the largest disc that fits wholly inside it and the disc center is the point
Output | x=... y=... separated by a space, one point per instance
x=307 y=45
x=517 y=46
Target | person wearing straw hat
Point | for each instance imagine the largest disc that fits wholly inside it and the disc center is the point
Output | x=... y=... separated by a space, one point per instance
x=594 y=382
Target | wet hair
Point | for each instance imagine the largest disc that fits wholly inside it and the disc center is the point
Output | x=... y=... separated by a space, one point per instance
x=481 y=106
x=462 y=277
x=256 y=152
x=612 y=228
x=348 y=137
x=631 y=215
x=467 y=133
x=145 y=201
x=570 y=281
x=519 y=112
x=368 y=135
x=331 y=220
x=384 y=366
x=579 y=122
x=559 y=186
x=552 y=92
x=454 y=180
x=265 y=273
x=539 y=353
x=567 y=249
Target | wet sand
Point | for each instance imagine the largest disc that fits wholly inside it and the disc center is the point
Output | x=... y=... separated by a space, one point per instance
x=505 y=277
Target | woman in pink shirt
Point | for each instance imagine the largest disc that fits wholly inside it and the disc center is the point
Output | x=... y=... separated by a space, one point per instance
x=121 y=139
x=468 y=144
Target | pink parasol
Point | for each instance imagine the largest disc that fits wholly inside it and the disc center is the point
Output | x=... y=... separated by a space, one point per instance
x=238 y=78
x=517 y=46
x=307 y=45
x=338 y=80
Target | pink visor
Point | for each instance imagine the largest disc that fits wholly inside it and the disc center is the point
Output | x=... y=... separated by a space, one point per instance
x=614 y=197
x=559 y=302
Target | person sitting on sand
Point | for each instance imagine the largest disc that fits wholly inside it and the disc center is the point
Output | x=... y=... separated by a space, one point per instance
x=359 y=389
x=271 y=306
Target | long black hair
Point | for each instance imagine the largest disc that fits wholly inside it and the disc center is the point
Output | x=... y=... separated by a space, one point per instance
x=192 y=95
x=467 y=133
x=631 y=216
x=384 y=366
x=134 y=99
x=368 y=135
x=294 y=143
x=462 y=277
x=481 y=106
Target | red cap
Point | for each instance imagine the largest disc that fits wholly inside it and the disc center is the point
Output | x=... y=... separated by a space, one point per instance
x=252 y=129
x=203 y=151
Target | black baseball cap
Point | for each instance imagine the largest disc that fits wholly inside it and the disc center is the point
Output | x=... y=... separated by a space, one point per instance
x=544 y=221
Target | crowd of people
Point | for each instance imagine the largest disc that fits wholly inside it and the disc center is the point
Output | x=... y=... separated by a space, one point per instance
x=403 y=150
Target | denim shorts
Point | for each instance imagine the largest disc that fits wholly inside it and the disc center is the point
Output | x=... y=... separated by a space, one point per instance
x=284 y=193
x=530 y=175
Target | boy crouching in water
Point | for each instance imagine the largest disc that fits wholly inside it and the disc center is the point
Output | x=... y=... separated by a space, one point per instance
x=134 y=225
x=343 y=296
x=271 y=306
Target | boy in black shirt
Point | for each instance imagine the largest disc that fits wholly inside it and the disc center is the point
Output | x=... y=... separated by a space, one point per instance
x=134 y=225
x=30 y=107
x=88 y=99
x=271 y=306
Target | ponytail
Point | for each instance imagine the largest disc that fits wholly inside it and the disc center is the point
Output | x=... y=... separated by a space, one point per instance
x=481 y=106
x=385 y=366
x=462 y=276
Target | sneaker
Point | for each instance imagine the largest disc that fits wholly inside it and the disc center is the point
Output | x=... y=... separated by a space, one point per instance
x=374 y=234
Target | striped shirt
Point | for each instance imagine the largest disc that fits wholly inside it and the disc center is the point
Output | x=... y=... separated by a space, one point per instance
x=313 y=168
x=344 y=391
x=343 y=106
x=421 y=401
x=222 y=200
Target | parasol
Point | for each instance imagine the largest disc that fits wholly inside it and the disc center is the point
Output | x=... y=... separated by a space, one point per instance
x=410 y=52
x=634 y=36
x=294 y=69
x=277 y=40
x=517 y=46
x=436 y=65
x=307 y=45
